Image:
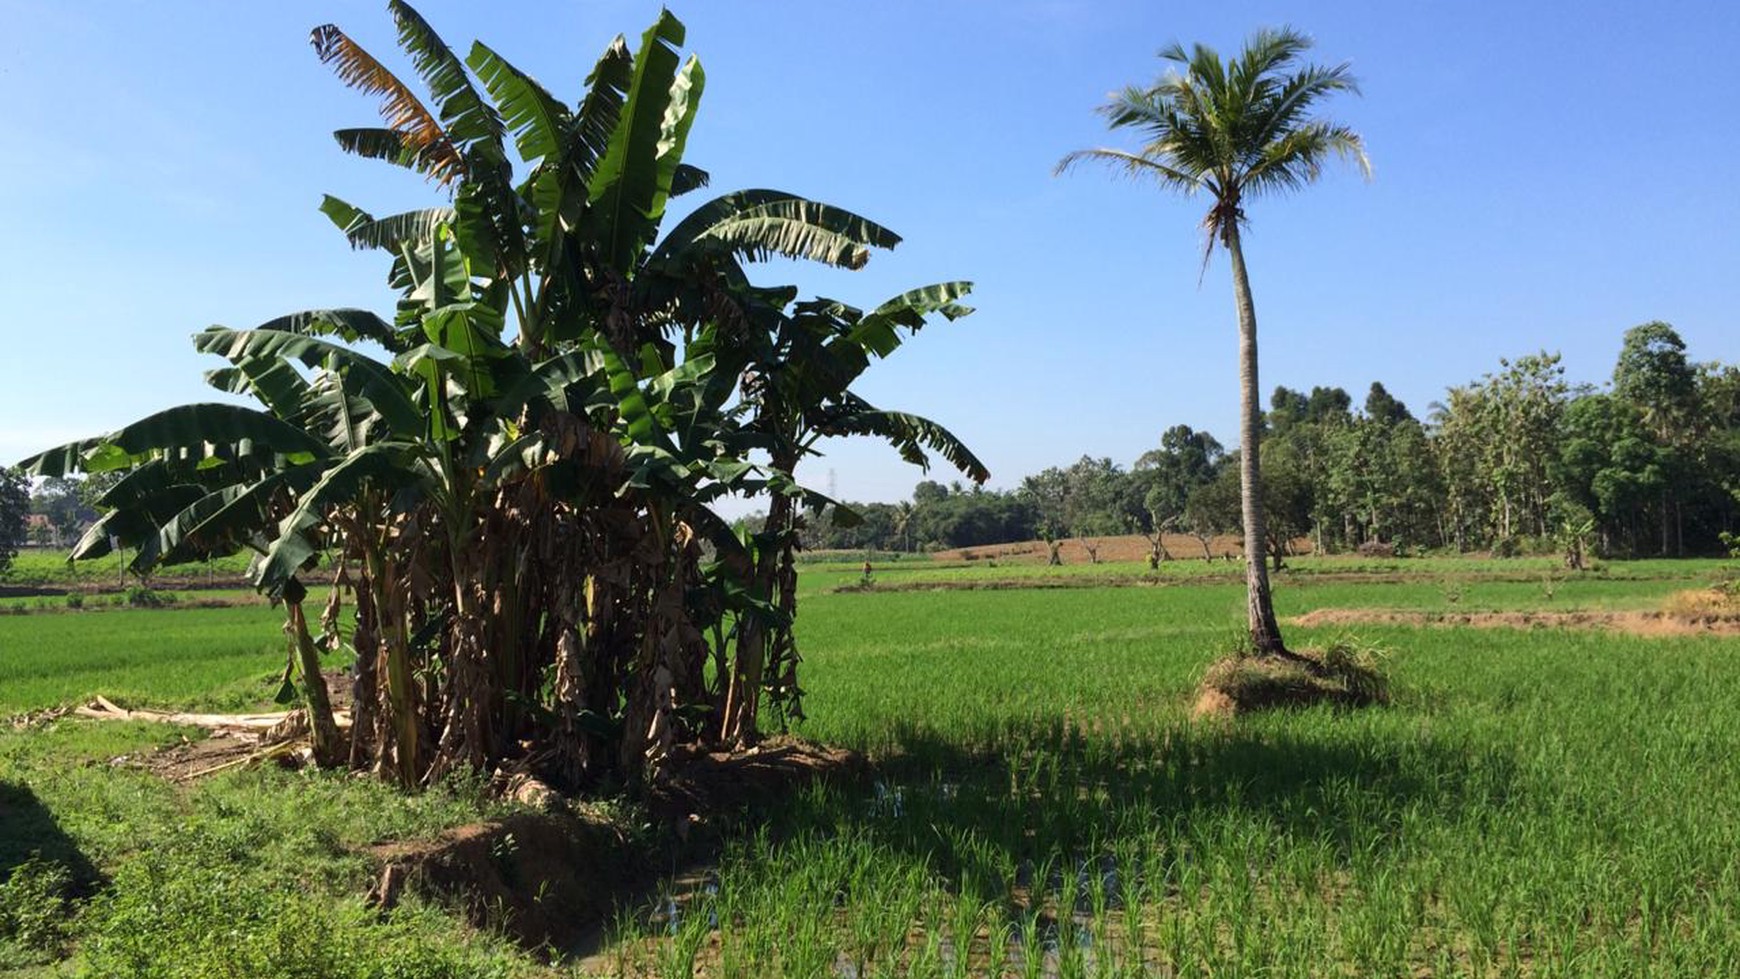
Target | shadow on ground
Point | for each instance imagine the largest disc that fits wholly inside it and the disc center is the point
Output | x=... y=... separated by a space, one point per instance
x=1056 y=797
x=28 y=829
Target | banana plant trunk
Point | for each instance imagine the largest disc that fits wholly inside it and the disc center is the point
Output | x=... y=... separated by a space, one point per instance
x=399 y=729
x=323 y=731
x=743 y=700
x=1259 y=607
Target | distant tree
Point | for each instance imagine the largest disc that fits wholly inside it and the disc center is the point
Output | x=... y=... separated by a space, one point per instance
x=1384 y=409
x=1303 y=429
x=1653 y=376
x=1497 y=441
x=969 y=518
x=870 y=528
x=1379 y=483
x=1185 y=460
x=1237 y=129
x=1156 y=536
x=66 y=503
x=929 y=491
x=1287 y=407
x=1047 y=493
x=1609 y=465
x=14 y=508
x=1288 y=492
x=1099 y=502
x=1213 y=508
x=1718 y=447
x=902 y=525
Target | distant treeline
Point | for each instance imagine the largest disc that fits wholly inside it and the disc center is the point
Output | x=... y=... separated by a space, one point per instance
x=1519 y=461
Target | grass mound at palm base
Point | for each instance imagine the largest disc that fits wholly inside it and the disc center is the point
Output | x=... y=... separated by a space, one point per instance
x=1343 y=675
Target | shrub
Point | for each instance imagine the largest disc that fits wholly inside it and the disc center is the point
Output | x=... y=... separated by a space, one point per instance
x=161 y=920
x=36 y=906
x=75 y=600
x=144 y=596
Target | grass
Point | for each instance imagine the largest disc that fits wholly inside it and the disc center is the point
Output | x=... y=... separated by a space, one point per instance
x=823 y=576
x=248 y=874
x=147 y=657
x=1537 y=802
x=80 y=601
x=48 y=566
x=1534 y=803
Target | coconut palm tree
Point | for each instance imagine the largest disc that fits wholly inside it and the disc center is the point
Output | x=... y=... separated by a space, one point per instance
x=1239 y=130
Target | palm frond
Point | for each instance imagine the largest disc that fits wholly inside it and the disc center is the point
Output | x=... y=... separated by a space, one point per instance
x=1297 y=159
x=878 y=332
x=1237 y=128
x=377 y=143
x=598 y=113
x=688 y=177
x=685 y=100
x=1134 y=166
x=273 y=380
x=382 y=464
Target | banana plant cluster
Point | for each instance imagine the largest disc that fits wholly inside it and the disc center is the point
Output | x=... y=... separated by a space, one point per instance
x=509 y=485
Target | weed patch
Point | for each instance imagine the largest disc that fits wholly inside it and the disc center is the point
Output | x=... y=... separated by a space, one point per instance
x=36 y=907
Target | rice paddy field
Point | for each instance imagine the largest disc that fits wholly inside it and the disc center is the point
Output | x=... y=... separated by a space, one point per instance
x=1538 y=800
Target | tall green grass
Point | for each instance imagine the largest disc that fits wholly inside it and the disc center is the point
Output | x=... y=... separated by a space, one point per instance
x=1543 y=803
x=161 y=657
x=47 y=566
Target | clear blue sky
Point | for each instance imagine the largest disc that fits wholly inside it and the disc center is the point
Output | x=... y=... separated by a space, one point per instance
x=1547 y=175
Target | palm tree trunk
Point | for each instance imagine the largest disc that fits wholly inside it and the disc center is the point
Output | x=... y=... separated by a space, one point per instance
x=1260 y=609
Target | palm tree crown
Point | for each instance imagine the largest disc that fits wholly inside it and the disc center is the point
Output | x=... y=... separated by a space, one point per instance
x=1238 y=129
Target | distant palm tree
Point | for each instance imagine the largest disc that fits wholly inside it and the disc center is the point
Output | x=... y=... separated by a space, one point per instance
x=1238 y=129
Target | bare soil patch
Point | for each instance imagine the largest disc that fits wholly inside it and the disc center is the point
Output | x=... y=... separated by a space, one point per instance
x=1009 y=584
x=553 y=880
x=231 y=741
x=1128 y=547
x=1635 y=623
x=711 y=782
x=196 y=757
x=547 y=879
